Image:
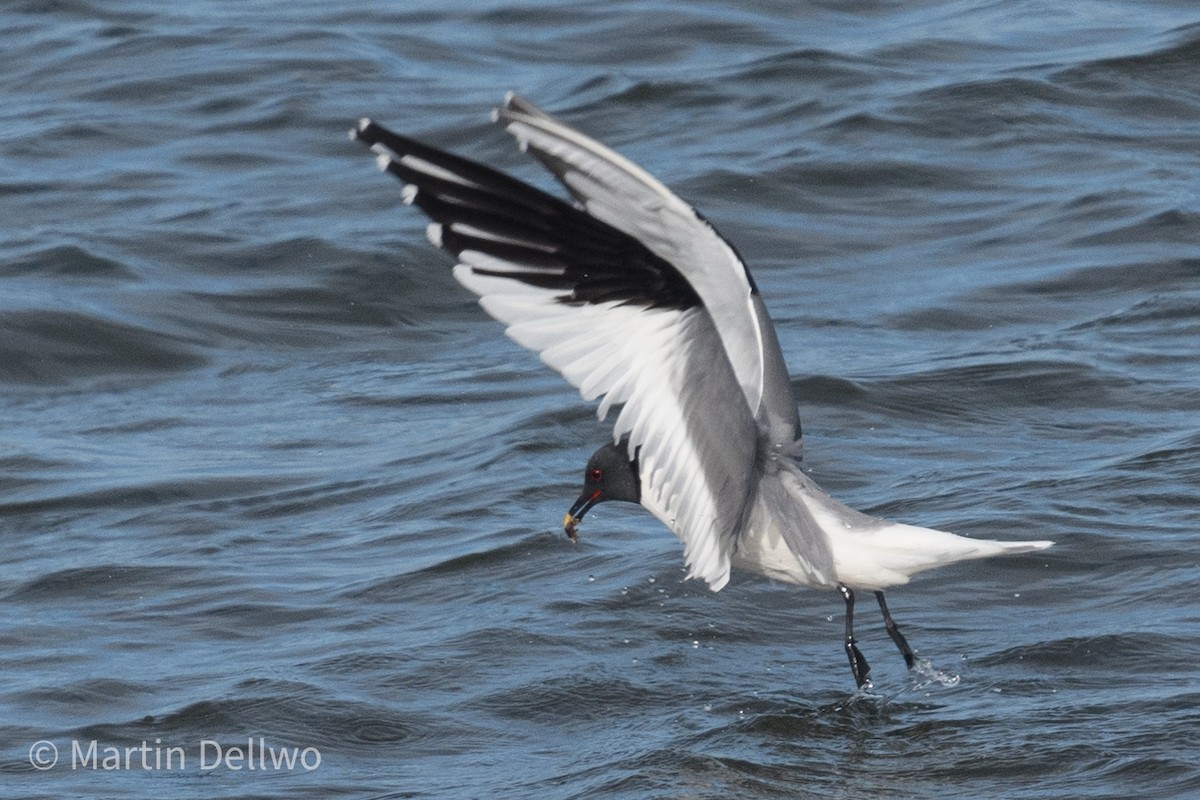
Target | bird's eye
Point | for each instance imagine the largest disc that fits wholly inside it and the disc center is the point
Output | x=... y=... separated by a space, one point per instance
x=594 y=475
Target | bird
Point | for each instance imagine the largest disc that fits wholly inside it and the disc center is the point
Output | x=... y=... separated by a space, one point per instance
x=636 y=300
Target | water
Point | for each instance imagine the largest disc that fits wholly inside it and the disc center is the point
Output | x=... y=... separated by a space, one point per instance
x=270 y=479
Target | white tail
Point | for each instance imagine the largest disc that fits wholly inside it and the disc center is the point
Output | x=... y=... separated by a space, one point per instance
x=891 y=553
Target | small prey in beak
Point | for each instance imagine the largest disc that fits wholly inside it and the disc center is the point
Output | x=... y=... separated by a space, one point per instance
x=609 y=475
x=575 y=515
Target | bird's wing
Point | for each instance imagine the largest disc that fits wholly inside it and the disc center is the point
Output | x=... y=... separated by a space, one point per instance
x=613 y=189
x=612 y=316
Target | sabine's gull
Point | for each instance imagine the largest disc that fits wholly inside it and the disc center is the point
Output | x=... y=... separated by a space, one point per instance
x=635 y=298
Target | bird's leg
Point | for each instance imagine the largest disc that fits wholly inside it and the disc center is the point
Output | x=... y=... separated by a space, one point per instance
x=858 y=663
x=894 y=631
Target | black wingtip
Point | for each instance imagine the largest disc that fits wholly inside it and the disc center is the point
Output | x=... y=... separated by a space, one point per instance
x=549 y=243
x=360 y=128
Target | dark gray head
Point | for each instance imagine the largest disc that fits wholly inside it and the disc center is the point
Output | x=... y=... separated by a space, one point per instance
x=610 y=475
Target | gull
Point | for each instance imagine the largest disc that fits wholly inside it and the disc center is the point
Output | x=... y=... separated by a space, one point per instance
x=635 y=299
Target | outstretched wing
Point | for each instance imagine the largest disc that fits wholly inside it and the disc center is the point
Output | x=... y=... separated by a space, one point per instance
x=613 y=189
x=615 y=318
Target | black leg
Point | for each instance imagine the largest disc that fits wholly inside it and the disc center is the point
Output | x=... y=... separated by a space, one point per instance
x=858 y=664
x=894 y=631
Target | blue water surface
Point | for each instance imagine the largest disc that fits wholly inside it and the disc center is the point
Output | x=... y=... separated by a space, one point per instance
x=271 y=483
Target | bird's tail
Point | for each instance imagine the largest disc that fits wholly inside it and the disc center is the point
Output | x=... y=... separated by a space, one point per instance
x=893 y=552
x=872 y=553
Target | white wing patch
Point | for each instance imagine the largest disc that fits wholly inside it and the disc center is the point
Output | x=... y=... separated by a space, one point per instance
x=683 y=409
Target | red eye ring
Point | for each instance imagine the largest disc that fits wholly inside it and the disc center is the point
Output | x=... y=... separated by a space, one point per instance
x=595 y=475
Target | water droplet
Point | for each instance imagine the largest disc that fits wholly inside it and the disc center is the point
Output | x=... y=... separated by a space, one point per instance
x=695 y=644
x=591 y=578
x=652 y=579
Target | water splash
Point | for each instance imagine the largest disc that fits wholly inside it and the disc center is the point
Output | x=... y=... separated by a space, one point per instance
x=924 y=673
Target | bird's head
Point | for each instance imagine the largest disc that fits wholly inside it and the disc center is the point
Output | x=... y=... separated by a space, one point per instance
x=610 y=475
